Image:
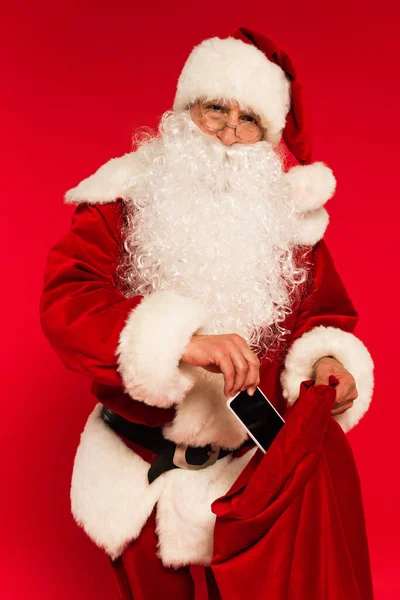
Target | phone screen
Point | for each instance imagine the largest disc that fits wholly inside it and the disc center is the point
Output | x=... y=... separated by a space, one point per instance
x=257 y=414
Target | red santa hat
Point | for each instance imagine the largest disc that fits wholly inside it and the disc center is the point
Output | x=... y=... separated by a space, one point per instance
x=254 y=71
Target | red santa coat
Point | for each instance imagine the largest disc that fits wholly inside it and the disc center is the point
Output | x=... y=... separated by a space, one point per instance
x=119 y=343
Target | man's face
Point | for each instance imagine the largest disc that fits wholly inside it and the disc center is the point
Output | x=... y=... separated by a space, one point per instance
x=231 y=113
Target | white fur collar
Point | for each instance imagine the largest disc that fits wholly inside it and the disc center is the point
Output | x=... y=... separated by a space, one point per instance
x=310 y=185
x=106 y=184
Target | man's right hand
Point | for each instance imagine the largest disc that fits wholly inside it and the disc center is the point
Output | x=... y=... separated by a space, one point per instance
x=228 y=354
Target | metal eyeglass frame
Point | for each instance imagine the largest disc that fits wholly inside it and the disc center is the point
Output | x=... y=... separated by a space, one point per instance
x=227 y=124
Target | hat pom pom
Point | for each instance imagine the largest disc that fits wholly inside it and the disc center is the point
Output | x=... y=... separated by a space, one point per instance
x=310 y=185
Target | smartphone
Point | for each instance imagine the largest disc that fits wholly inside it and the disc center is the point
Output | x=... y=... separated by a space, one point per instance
x=257 y=415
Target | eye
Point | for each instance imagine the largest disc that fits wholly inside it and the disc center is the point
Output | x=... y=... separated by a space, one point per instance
x=249 y=119
x=216 y=107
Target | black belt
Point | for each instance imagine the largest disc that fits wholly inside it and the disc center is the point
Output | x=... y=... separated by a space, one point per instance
x=170 y=455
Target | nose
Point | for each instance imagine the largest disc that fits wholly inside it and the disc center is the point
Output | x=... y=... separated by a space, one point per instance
x=227 y=136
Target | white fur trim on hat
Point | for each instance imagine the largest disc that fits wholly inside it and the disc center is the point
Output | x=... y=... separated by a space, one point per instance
x=233 y=70
x=347 y=349
x=151 y=344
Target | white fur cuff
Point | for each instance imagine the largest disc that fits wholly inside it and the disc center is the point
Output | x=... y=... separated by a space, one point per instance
x=347 y=349
x=151 y=344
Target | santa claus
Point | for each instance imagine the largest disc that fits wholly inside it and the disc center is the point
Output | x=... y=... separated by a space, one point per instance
x=195 y=267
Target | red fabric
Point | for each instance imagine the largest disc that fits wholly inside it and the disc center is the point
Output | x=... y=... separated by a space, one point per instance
x=292 y=526
x=324 y=302
x=82 y=310
x=140 y=574
x=297 y=131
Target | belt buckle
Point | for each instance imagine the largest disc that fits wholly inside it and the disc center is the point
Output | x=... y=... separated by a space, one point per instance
x=179 y=458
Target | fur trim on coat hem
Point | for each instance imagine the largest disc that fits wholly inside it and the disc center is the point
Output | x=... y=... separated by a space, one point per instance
x=111 y=498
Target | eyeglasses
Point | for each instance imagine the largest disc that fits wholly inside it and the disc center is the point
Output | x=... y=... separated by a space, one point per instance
x=214 y=120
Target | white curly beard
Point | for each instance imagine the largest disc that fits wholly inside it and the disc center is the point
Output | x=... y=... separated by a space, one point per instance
x=212 y=222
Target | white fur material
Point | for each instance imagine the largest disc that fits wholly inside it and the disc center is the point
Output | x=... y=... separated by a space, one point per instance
x=110 y=495
x=203 y=416
x=347 y=349
x=231 y=69
x=106 y=184
x=109 y=183
x=151 y=344
x=310 y=185
x=185 y=523
x=311 y=227
x=111 y=498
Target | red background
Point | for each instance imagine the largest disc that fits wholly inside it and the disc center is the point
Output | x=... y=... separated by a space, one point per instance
x=77 y=79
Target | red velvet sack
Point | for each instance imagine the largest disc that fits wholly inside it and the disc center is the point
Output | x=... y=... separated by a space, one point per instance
x=292 y=526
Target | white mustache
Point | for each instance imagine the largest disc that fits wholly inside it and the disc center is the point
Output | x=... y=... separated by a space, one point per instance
x=208 y=220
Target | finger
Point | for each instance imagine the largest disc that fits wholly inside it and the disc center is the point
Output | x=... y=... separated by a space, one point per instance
x=228 y=371
x=341 y=394
x=341 y=409
x=345 y=393
x=322 y=378
x=354 y=393
x=251 y=390
x=241 y=370
x=253 y=375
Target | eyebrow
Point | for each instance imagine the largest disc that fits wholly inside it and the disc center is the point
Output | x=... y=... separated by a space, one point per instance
x=243 y=111
x=251 y=113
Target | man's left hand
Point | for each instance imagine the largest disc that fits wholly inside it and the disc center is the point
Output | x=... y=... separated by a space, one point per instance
x=346 y=390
